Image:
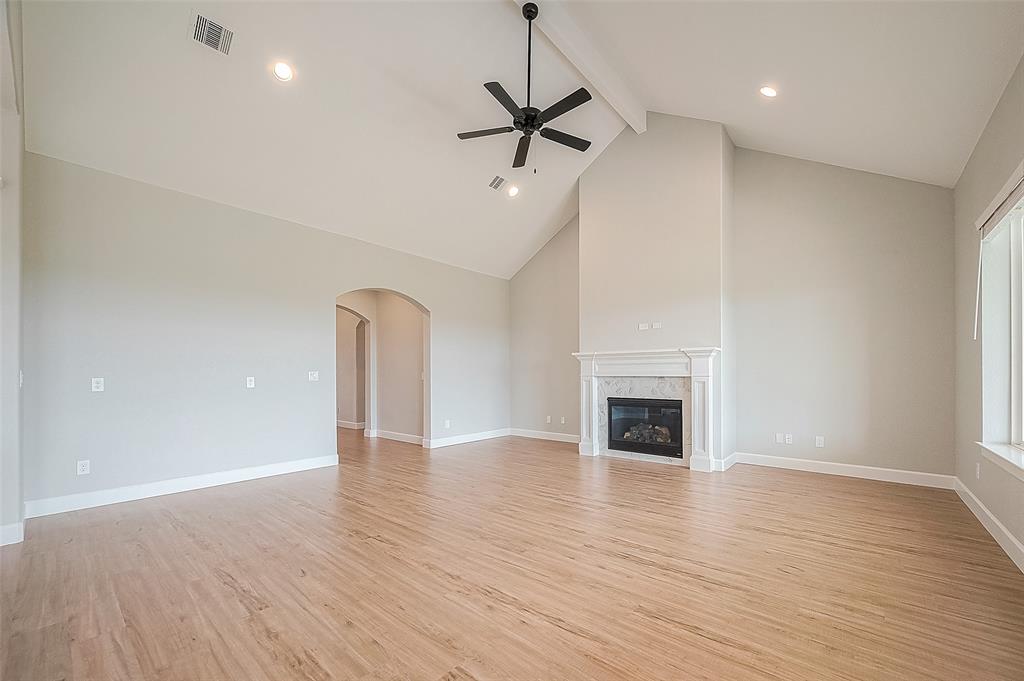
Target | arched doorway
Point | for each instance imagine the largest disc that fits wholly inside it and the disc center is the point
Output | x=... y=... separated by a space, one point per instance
x=382 y=368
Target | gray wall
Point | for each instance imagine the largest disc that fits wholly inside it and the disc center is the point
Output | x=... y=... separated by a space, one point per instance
x=999 y=151
x=10 y=317
x=545 y=333
x=651 y=215
x=399 y=365
x=842 y=291
x=346 y=368
x=175 y=300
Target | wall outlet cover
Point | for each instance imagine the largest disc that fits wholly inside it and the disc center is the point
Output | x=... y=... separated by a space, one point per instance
x=98 y=385
x=819 y=440
x=789 y=438
x=250 y=381
x=314 y=376
x=780 y=439
x=83 y=467
x=655 y=325
x=447 y=423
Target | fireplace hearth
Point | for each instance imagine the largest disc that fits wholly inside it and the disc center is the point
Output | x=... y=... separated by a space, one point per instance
x=646 y=426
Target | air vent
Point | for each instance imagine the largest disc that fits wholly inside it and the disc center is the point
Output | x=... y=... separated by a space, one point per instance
x=497 y=182
x=212 y=34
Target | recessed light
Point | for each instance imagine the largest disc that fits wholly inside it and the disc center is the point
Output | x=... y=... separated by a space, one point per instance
x=513 y=191
x=283 y=72
x=769 y=91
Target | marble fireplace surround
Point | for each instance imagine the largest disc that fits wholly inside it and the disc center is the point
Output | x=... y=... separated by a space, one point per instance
x=688 y=374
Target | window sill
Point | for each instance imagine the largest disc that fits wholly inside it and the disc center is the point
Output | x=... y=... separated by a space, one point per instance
x=1007 y=456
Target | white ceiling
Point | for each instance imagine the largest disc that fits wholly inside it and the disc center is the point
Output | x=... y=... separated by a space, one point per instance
x=363 y=143
x=898 y=88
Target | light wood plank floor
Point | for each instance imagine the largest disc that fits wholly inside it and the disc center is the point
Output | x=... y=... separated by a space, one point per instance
x=515 y=559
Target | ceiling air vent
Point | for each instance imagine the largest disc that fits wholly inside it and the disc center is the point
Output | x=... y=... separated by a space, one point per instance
x=497 y=182
x=212 y=34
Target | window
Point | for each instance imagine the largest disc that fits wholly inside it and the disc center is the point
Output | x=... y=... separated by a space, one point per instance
x=1002 y=331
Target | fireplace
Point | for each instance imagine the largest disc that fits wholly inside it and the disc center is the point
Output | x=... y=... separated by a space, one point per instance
x=646 y=426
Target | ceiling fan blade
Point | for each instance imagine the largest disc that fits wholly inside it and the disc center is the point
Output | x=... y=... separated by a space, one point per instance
x=564 y=105
x=505 y=100
x=565 y=138
x=484 y=133
x=521 y=151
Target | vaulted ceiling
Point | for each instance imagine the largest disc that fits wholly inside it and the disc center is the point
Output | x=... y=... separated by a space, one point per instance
x=362 y=141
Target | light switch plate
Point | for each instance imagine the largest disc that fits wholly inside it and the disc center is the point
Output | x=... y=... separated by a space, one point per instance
x=97 y=385
x=819 y=440
x=780 y=439
x=563 y=420
x=314 y=376
x=548 y=419
x=250 y=381
x=447 y=423
x=643 y=326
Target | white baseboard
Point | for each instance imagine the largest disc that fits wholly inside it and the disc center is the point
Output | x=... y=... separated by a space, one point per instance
x=13 y=533
x=849 y=470
x=369 y=432
x=400 y=437
x=726 y=463
x=1013 y=546
x=351 y=425
x=544 y=435
x=435 y=443
x=73 y=502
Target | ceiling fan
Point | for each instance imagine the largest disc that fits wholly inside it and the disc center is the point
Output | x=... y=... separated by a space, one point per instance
x=530 y=119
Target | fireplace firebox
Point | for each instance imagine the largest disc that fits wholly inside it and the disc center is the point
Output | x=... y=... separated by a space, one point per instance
x=646 y=426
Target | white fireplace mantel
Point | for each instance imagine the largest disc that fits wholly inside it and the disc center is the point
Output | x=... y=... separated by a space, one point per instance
x=699 y=364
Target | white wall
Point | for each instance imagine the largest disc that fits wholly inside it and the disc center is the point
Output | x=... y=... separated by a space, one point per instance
x=175 y=300
x=842 y=292
x=347 y=386
x=651 y=216
x=399 y=365
x=545 y=333
x=999 y=152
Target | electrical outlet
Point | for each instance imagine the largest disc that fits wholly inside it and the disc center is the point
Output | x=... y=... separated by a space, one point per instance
x=314 y=376
x=548 y=419
x=977 y=470
x=819 y=440
x=643 y=326
x=250 y=381
x=789 y=438
x=83 y=467
x=655 y=325
x=780 y=438
x=97 y=385
x=447 y=423
x=563 y=420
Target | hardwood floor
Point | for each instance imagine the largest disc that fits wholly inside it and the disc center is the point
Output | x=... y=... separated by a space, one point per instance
x=515 y=559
